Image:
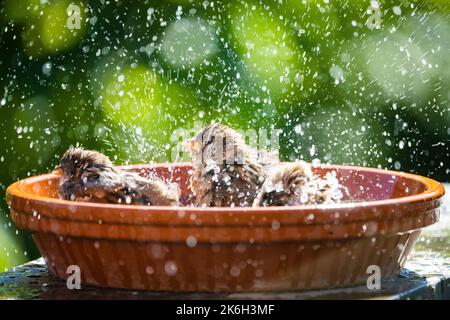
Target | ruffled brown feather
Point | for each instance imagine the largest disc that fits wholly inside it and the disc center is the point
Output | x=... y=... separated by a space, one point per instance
x=90 y=176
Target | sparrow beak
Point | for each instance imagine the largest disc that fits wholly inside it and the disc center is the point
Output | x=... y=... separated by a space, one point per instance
x=58 y=171
x=189 y=144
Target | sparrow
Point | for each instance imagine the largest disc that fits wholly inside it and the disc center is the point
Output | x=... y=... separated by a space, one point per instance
x=294 y=183
x=225 y=171
x=90 y=176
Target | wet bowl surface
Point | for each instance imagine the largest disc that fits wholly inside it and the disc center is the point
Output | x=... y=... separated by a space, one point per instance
x=231 y=249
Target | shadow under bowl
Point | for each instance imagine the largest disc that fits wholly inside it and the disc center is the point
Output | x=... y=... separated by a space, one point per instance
x=231 y=249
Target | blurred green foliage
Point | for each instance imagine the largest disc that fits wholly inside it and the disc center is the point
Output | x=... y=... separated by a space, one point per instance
x=136 y=71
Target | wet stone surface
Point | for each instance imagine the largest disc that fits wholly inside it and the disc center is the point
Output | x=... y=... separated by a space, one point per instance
x=426 y=276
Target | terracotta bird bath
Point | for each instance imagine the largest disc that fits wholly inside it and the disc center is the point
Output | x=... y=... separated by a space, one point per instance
x=231 y=249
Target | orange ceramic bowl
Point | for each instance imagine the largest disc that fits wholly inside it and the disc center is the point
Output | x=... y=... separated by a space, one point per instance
x=231 y=249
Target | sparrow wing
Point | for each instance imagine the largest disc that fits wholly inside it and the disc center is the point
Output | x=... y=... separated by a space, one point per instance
x=113 y=186
x=153 y=191
x=202 y=188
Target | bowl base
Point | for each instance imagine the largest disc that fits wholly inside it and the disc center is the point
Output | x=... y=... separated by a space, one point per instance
x=225 y=267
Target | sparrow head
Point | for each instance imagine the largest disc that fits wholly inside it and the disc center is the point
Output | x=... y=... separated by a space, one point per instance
x=204 y=137
x=216 y=140
x=76 y=160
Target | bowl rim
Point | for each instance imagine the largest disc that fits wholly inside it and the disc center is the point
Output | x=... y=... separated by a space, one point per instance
x=433 y=190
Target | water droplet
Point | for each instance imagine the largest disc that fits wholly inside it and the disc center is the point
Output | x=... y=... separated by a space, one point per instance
x=275 y=225
x=397 y=10
x=235 y=271
x=170 y=268
x=47 y=68
x=191 y=241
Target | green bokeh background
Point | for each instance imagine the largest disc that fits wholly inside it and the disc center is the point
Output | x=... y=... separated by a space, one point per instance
x=136 y=71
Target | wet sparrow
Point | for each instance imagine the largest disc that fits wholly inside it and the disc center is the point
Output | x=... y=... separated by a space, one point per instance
x=90 y=176
x=226 y=172
x=294 y=184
